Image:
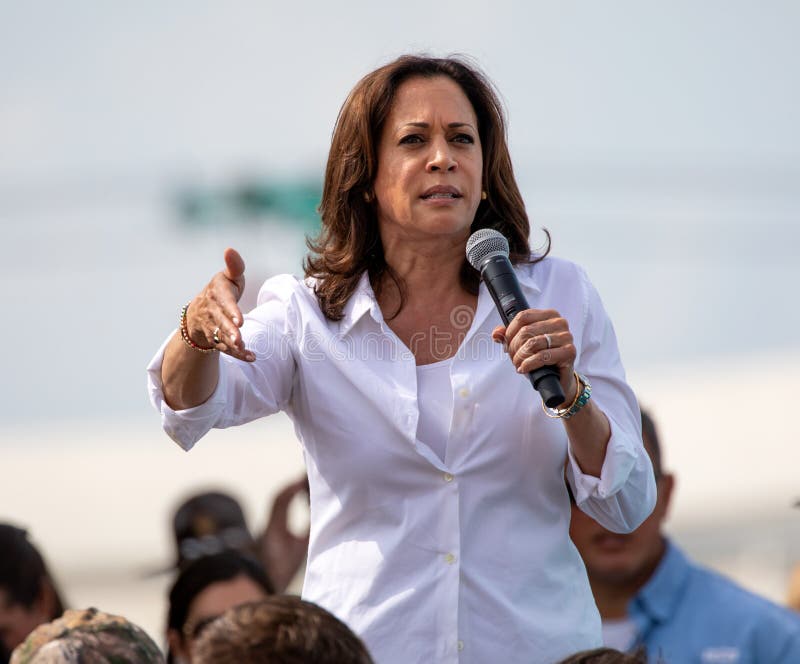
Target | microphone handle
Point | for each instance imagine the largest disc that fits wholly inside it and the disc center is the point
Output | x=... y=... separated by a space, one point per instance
x=501 y=281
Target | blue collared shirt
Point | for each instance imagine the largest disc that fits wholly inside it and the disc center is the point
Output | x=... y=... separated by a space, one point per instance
x=687 y=614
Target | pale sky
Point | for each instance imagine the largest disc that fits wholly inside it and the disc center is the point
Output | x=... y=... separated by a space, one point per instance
x=152 y=86
x=657 y=142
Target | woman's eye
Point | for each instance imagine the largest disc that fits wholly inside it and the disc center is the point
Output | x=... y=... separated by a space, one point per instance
x=463 y=138
x=411 y=138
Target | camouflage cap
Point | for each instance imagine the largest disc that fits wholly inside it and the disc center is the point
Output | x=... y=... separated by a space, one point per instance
x=87 y=636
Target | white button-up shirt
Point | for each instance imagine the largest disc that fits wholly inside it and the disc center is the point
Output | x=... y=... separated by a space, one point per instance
x=463 y=560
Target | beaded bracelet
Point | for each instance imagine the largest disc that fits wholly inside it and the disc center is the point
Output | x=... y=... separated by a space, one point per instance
x=185 y=333
x=582 y=397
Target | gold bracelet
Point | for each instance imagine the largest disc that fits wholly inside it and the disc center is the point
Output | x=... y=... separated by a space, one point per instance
x=185 y=333
x=582 y=396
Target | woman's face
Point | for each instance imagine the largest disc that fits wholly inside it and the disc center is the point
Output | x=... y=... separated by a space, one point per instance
x=430 y=162
x=210 y=603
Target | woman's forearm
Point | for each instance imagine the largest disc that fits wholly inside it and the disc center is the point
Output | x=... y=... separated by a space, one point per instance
x=589 y=432
x=188 y=377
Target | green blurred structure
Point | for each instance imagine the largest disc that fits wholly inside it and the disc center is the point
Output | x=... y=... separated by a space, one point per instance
x=252 y=202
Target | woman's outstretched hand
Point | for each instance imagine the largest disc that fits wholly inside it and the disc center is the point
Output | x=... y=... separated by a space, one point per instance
x=213 y=318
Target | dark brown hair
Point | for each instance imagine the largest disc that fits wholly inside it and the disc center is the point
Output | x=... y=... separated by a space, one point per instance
x=652 y=442
x=606 y=656
x=349 y=242
x=199 y=574
x=282 y=629
x=23 y=573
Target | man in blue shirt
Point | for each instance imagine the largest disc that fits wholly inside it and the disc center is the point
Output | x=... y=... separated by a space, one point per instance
x=649 y=593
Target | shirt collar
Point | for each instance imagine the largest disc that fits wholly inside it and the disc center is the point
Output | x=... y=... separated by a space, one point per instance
x=363 y=299
x=525 y=274
x=660 y=596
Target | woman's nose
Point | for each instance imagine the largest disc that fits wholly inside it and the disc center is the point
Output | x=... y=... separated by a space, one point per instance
x=441 y=158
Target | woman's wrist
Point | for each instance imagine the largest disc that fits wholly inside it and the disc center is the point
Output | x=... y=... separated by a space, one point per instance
x=187 y=338
x=583 y=392
x=571 y=390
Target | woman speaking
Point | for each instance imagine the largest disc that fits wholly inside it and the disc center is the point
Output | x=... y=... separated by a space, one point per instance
x=439 y=510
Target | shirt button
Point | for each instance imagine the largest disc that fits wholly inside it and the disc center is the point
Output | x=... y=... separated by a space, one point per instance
x=463 y=392
x=449 y=558
x=460 y=645
x=448 y=477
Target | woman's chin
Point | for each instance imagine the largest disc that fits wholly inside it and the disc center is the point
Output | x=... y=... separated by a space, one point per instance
x=429 y=227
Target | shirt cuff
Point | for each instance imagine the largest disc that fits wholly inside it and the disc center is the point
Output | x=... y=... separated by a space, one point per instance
x=187 y=426
x=618 y=463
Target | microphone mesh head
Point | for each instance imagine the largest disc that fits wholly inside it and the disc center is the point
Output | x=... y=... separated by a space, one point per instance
x=483 y=244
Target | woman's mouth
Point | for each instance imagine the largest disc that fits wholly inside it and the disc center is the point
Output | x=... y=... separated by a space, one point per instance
x=441 y=192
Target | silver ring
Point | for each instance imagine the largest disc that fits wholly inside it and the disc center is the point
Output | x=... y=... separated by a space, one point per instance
x=549 y=341
x=216 y=338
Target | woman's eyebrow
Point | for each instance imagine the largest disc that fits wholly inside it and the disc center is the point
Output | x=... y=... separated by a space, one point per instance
x=426 y=125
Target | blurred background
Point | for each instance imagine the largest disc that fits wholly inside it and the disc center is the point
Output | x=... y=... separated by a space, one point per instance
x=657 y=142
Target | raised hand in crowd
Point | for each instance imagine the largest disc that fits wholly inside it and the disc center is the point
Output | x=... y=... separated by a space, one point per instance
x=281 y=550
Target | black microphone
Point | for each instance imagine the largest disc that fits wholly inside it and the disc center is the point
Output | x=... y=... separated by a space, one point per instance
x=487 y=252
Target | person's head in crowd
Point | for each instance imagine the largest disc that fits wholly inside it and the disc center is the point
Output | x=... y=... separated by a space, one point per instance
x=282 y=629
x=621 y=564
x=203 y=590
x=793 y=589
x=88 y=637
x=606 y=656
x=793 y=586
x=651 y=594
x=28 y=594
x=208 y=523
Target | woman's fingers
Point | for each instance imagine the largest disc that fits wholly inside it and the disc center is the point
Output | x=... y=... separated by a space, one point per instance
x=537 y=343
x=226 y=330
x=214 y=317
x=528 y=317
x=234 y=270
x=538 y=338
x=562 y=356
x=229 y=347
x=225 y=294
x=532 y=328
x=205 y=321
x=226 y=336
x=499 y=334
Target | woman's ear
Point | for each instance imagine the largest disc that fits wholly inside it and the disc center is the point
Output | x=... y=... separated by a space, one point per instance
x=666 y=483
x=46 y=601
x=176 y=646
